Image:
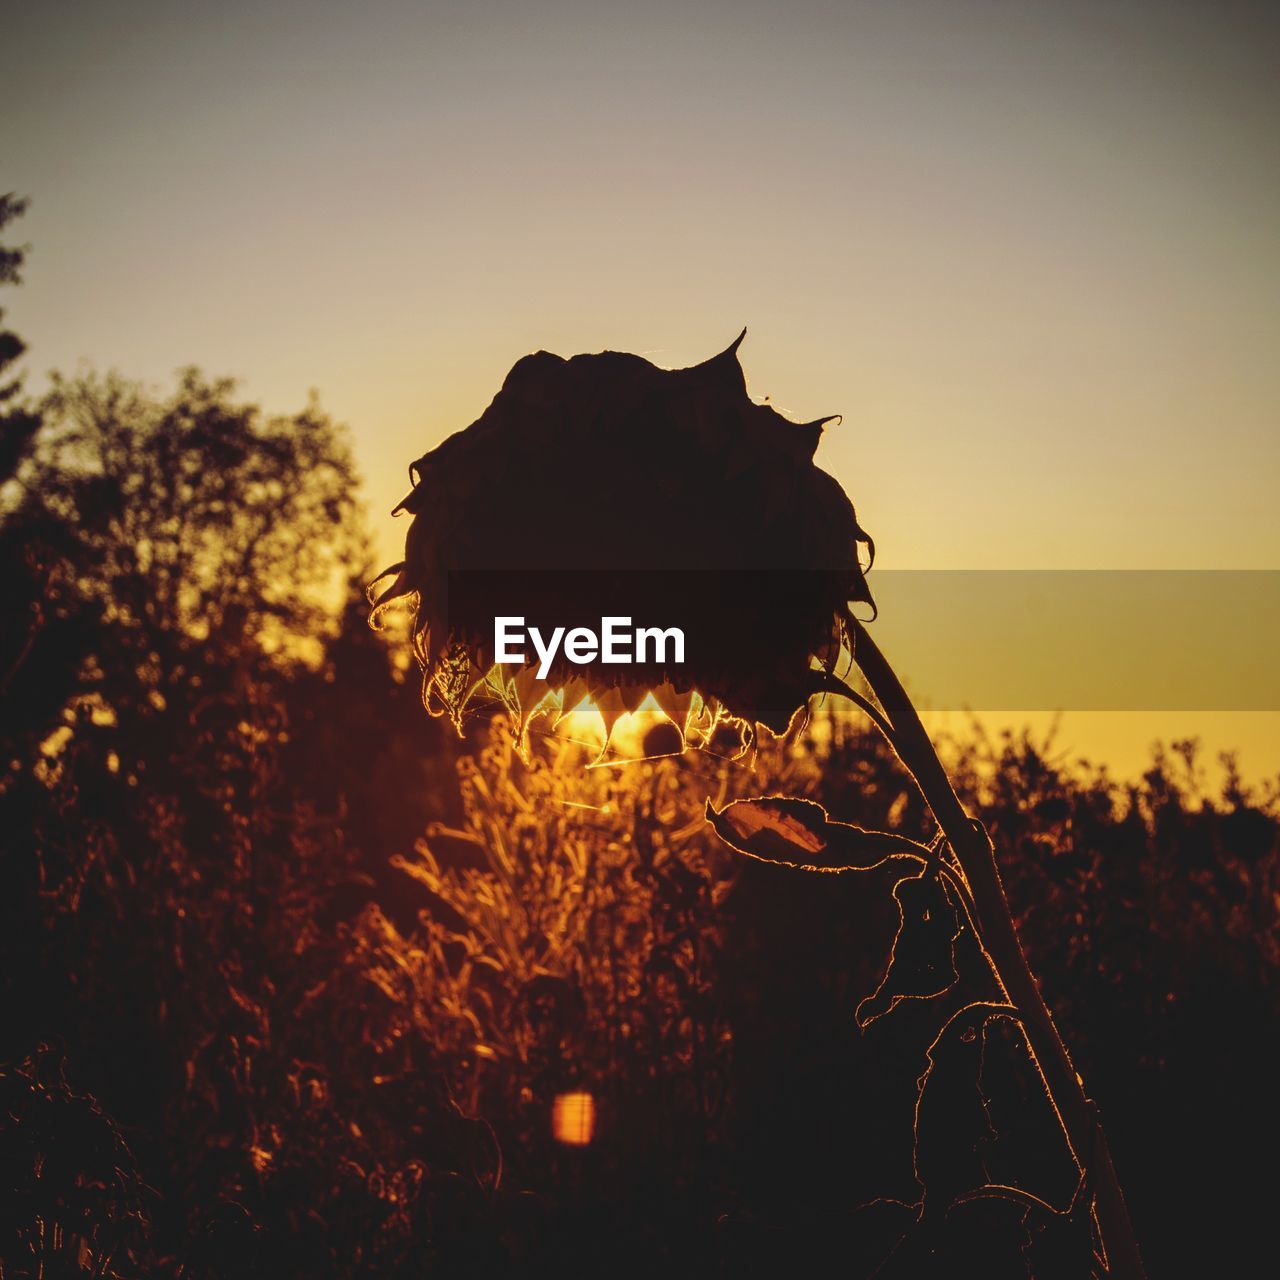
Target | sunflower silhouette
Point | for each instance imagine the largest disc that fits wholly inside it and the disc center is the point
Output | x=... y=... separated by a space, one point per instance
x=603 y=484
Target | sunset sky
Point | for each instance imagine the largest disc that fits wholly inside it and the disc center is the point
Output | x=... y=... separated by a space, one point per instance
x=1028 y=250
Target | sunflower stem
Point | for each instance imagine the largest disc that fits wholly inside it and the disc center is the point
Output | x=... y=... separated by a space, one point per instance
x=999 y=938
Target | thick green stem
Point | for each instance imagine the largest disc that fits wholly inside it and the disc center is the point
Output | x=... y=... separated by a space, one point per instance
x=998 y=935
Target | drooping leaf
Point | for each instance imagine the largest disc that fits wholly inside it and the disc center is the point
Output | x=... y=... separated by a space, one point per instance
x=951 y=1122
x=1023 y=1119
x=798 y=833
x=922 y=963
x=956 y=1132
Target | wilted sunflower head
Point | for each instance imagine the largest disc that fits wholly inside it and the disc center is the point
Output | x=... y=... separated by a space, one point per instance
x=604 y=485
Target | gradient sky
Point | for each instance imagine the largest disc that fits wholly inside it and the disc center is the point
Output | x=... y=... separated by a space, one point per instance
x=1029 y=251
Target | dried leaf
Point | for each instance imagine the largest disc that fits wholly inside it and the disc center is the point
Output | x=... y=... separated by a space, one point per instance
x=798 y=833
x=922 y=963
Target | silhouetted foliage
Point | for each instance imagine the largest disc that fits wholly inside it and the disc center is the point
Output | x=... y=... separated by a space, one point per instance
x=18 y=422
x=158 y=545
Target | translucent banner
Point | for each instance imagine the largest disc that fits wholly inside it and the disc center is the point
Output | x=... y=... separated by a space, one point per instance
x=1087 y=640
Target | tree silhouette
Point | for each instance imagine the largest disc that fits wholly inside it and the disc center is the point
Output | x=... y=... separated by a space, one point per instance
x=161 y=543
x=168 y=559
x=18 y=423
x=171 y=559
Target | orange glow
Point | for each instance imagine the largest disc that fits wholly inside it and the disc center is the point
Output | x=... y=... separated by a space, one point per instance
x=573 y=1119
x=602 y=725
x=630 y=735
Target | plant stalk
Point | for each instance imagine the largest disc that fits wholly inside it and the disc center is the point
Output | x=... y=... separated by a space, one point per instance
x=998 y=935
